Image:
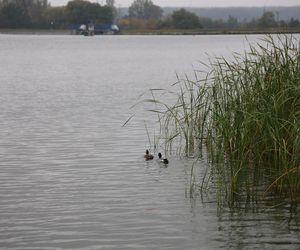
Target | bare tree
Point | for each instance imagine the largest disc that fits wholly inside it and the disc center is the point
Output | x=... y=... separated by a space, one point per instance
x=110 y=3
x=145 y=9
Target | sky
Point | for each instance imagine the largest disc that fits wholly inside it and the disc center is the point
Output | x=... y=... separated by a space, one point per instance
x=197 y=3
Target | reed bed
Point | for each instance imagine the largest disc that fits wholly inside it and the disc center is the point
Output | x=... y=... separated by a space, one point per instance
x=243 y=116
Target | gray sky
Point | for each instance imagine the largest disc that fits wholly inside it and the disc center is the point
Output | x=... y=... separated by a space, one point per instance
x=199 y=3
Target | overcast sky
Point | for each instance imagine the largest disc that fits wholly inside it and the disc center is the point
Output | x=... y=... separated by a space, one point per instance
x=199 y=3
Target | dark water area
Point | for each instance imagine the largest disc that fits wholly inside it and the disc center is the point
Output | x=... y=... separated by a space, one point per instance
x=71 y=177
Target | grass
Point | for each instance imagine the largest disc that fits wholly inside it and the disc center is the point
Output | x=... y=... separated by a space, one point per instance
x=243 y=115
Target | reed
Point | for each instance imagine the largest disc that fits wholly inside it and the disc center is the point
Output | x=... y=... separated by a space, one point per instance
x=244 y=116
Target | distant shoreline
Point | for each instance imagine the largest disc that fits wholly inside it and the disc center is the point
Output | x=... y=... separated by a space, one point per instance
x=34 y=32
x=156 y=32
x=209 y=32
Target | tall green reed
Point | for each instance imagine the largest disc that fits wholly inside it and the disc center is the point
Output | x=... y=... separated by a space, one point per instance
x=244 y=117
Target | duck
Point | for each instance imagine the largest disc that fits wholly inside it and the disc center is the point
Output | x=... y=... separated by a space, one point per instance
x=148 y=156
x=163 y=160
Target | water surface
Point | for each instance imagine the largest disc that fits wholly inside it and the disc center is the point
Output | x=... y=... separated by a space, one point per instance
x=72 y=178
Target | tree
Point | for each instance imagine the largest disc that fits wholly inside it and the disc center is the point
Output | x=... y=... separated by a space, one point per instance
x=105 y=15
x=15 y=15
x=183 y=19
x=84 y=12
x=110 y=3
x=23 y=13
x=145 y=9
x=267 y=20
x=56 y=17
x=294 y=23
x=232 y=22
x=37 y=13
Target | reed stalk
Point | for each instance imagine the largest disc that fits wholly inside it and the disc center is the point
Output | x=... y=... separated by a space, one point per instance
x=244 y=116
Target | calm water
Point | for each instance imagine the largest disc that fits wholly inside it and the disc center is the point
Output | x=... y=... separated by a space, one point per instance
x=72 y=178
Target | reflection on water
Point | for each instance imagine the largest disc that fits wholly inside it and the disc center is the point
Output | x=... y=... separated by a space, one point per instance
x=72 y=178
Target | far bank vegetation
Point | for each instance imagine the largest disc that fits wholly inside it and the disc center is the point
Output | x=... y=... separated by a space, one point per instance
x=142 y=15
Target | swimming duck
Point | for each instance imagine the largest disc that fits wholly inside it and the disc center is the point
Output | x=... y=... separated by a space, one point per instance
x=148 y=156
x=163 y=160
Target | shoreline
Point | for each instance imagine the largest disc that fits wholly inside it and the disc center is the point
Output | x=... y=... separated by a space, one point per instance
x=210 y=32
x=154 y=32
x=34 y=32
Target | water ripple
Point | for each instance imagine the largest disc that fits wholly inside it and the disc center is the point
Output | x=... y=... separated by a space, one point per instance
x=72 y=178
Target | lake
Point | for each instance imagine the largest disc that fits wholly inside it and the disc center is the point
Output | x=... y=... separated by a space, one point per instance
x=71 y=177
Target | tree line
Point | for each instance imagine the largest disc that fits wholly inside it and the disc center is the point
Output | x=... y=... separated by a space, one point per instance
x=142 y=14
x=40 y=14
